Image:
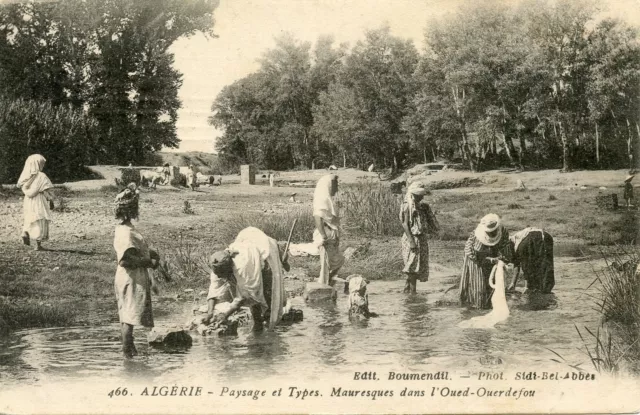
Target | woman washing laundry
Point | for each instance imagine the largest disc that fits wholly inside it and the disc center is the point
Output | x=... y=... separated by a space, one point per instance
x=533 y=254
x=327 y=233
x=255 y=273
x=487 y=245
x=133 y=284
x=417 y=221
x=38 y=201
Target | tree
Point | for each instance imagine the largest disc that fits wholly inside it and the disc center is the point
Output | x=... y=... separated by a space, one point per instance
x=379 y=71
x=108 y=57
x=613 y=89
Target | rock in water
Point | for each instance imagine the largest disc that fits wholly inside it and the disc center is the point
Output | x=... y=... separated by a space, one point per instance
x=316 y=292
x=173 y=337
x=520 y=185
x=292 y=316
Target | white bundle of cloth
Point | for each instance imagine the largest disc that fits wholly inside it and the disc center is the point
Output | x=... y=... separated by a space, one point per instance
x=500 y=309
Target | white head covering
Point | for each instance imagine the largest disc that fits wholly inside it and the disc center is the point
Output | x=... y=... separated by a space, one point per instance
x=489 y=223
x=323 y=205
x=32 y=166
x=414 y=189
x=356 y=283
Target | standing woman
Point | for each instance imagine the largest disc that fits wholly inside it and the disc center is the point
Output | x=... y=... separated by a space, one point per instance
x=327 y=232
x=132 y=283
x=417 y=220
x=488 y=244
x=38 y=201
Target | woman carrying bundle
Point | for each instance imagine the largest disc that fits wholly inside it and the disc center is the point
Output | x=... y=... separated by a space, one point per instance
x=38 y=201
x=488 y=244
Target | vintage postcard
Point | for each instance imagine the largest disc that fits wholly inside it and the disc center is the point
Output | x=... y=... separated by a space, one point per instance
x=319 y=206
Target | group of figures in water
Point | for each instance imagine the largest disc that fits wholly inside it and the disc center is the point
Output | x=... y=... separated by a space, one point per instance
x=250 y=271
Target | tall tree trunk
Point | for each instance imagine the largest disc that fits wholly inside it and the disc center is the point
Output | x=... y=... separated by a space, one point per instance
x=523 y=148
x=424 y=153
x=629 y=146
x=508 y=145
x=597 y=146
x=463 y=126
x=395 y=163
x=565 y=148
x=344 y=159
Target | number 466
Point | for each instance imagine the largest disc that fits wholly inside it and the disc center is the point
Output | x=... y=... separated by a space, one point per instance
x=118 y=392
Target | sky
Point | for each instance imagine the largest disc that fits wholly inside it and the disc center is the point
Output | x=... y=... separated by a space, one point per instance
x=247 y=28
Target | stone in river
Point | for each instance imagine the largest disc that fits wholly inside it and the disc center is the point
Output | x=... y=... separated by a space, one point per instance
x=169 y=337
x=317 y=292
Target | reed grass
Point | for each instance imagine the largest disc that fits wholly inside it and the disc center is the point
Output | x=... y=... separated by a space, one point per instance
x=14 y=315
x=276 y=225
x=370 y=208
x=619 y=286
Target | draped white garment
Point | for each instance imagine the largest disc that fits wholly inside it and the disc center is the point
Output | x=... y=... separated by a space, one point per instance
x=254 y=247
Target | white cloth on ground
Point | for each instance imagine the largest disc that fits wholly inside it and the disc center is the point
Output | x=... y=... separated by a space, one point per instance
x=307 y=249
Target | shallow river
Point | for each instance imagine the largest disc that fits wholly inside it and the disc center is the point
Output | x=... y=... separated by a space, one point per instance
x=410 y=333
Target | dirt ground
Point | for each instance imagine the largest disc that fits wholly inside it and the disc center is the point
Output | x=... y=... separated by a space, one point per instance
x=80 y=263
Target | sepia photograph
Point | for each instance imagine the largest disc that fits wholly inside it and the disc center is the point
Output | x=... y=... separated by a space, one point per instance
x=319 y=206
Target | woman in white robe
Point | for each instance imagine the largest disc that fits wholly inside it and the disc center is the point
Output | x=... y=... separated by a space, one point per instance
x=327 y=233
x=38 y=201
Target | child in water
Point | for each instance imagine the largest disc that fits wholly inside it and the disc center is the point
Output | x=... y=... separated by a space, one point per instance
x=358 y=297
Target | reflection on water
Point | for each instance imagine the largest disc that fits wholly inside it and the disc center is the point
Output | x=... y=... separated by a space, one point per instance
x=534 y=301
x=412 y=332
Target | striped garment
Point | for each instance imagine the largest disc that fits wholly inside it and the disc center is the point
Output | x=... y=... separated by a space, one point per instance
x=416 y=261
x=475 y=291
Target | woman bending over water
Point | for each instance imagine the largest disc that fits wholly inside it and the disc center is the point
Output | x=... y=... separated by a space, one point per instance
x=488 y=244
x=533 y=253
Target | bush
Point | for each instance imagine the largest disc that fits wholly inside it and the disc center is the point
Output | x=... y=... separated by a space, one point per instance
x=186 y=208
x=128 y=175
x=61 y=134
x=514 y=206
x=179 y=181
x=552 y=197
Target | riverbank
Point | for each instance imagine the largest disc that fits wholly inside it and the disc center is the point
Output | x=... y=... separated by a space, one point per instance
x=71 y=283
